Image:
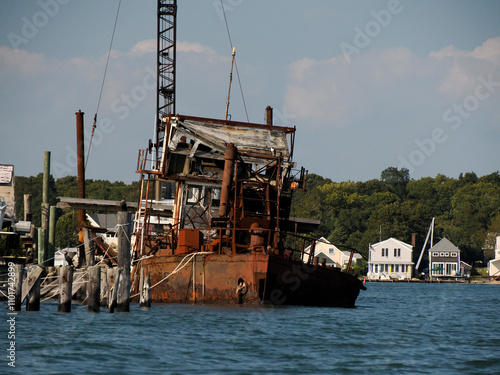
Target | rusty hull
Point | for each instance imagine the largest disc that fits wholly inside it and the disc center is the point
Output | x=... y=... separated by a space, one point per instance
x=252 y=278
x=208 y=278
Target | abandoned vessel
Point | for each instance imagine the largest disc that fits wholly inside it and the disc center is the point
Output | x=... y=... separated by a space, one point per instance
x=213 y=219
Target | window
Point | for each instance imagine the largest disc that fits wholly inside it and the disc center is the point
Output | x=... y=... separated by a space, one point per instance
x=435 y=254
x=454 y=254
x=385 y=252
x=451 y=269
x=382 y=268
x=397 y=268
x=397 y=252
x=403 y=268
x=441 y=254
x=376 y=268
x=193 y=194
x=437 y=269
x=331 y=250
x=446 y=254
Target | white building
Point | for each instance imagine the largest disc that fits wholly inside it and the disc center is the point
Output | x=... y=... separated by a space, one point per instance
x=333 y=255
x=390 y=259
x=494 y=264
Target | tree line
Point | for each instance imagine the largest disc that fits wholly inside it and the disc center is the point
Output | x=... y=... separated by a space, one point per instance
x=466 y=209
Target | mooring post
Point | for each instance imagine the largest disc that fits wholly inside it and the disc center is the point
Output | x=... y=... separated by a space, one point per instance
x=113 y=282
x=65 y=288
x=144 y=290
x=94 y=289
x=19 y=275
x=52 y=236
x=123 y=298
x=89 y=248
x=27 y=207
x=141 y=285
x=32 y=286
x=33 y=301
x=45 y=202
x=104 y=286
x=42 y=250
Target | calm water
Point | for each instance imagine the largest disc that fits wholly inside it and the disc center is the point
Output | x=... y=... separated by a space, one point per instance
x=397 y=328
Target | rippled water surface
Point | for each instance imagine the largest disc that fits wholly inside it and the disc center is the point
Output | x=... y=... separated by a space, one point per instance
x=397 y=328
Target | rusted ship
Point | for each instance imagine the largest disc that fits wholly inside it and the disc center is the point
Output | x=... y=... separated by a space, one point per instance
x=213 y=219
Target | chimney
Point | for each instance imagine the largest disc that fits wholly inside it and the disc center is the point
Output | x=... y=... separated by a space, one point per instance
x=414 y=240
x=269 y=116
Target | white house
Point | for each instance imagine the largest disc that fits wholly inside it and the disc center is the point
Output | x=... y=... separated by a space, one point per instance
x=333 y=255
x=494 y=264
x=390 y=259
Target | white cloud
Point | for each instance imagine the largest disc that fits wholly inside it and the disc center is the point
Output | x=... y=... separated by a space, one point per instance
x=464 y=67
x=143 y=47
x=334 y=93
x=22 y=62
x=40 y=96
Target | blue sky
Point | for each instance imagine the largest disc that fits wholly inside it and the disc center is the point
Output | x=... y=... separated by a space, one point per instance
x=368 y=84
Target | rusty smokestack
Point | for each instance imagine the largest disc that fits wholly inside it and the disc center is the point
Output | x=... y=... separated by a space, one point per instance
x=80 y=154
x=227 y=178
x=269 y=116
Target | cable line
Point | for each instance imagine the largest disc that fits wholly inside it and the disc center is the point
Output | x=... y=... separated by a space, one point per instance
x=102 y=84
x=235 y=64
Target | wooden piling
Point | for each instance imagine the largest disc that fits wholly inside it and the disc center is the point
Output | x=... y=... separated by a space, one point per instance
x=31 y=288
x=123 y=298
x=113 y=282
x=94 y=289
x=65 y=288
x=145 y=291
x=19 y=274
x=27 y=207
x=45 y=203
x=104 y=287
x=42 y=250
x=33 y=301
x=89 y=248
x=51 y=236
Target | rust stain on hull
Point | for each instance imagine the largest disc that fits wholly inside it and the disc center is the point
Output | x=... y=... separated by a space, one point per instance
x=249 y=279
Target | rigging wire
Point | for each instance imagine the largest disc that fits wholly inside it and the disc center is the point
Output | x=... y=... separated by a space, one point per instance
x=235 y=64
x=102 y=84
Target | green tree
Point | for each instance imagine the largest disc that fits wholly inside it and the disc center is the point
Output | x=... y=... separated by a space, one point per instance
x=67 y=230
x=396 y=179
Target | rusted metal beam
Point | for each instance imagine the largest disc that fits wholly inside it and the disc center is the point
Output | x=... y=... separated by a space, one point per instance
x=227 y=179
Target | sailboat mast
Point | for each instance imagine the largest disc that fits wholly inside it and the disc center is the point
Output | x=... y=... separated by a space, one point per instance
x=430 y=233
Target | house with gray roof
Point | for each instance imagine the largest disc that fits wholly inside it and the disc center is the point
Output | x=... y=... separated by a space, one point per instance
x=445 y=263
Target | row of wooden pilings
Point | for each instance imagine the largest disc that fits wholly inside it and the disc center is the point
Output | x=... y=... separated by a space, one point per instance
x=117 y=282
